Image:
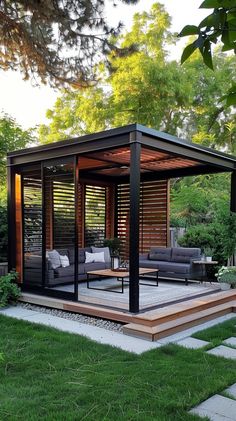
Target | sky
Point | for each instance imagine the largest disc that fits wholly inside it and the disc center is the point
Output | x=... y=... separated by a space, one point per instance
x=28 y=104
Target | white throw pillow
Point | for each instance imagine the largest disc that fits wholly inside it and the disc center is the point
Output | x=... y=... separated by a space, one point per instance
x=94 y=257
x=64 y=261
x=105 y=250
x=99 y=257
x=89 y=257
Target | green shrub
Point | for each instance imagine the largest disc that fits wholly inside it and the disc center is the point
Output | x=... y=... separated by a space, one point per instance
x=9 y=291
x=3 y=233
x=197 y=236
x=227 y=274
x=219 y=236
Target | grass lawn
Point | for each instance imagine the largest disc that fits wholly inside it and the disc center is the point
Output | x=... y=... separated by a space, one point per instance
x=52 y=375
x=217 y=334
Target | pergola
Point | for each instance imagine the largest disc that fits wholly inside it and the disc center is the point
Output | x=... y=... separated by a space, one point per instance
x=117 y=180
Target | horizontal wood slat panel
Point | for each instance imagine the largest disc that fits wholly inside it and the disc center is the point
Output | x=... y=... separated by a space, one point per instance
x=63 y=212
x=153 y=215
x=95 y=215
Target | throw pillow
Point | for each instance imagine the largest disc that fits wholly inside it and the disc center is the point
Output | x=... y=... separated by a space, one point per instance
x=106 y=252
x=64 y=261
x=94 y=257
x=89 y=257
x=99 y=257
x=54 y=258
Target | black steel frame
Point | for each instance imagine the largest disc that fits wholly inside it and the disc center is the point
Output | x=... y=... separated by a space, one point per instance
x=137 y=136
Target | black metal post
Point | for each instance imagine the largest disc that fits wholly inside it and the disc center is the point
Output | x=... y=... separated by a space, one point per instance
x=11 y=205
x=76 y=242
x=135 y=152
x=233 y=192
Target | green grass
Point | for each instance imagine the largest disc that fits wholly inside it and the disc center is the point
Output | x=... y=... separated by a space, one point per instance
x=52 y=375
x=217 y=334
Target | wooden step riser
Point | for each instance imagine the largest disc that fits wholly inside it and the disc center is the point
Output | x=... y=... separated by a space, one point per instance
x=152 y=336
x=191 y=324
x=88 y=310
x=159 y=319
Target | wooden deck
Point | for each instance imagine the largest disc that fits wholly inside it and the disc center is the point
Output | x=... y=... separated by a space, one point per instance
x=151 y=324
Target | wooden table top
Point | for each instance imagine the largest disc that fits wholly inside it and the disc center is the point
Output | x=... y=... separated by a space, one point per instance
x=119 y=274
x=205 y=262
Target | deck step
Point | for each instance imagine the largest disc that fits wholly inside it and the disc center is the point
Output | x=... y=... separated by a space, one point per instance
x=161 y=330
x=174 y=311
x=76 y=307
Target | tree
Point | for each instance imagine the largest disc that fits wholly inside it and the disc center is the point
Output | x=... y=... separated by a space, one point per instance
x=217 y=26
x=148 y=88
x=58 y=41
x=12 y=137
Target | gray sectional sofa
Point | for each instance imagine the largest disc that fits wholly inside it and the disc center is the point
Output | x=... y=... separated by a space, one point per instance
x=173 y=263
x=62 y=275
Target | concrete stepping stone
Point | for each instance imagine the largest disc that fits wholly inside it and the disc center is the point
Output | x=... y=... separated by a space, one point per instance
x=232 y=390
x=223 y=351
x=230 y=341
x=216 y=408
x=192 y=343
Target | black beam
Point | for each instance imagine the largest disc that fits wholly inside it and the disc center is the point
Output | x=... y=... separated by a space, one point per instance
x=68 y=149
x=190 y=151
x=135 y=152
x=11 y=207
x=233 y=192
x=175 y=173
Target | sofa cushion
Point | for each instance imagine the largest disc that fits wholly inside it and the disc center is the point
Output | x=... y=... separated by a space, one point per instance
x=94 y=266
x=63 y=272
x=172 y=267
x=160 y=253
x=105 y=250
x=146 y=263
x=184 y=254
x=81 y=268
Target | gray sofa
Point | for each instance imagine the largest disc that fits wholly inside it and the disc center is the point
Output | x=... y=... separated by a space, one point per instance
x=60 y=275
x=173 y=263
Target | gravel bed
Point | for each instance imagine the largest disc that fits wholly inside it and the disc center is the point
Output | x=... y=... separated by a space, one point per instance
x=94 y=321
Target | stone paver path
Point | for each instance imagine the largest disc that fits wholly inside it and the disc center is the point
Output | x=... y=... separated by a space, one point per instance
x=230 y=341
x=232 y=390
x=192 y=343
x=217 y=408
x=223 y=351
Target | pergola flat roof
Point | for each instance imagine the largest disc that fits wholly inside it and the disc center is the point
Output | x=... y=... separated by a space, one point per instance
x=106 y=154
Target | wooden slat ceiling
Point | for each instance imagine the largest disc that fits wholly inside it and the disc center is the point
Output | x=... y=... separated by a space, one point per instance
x=116 y=162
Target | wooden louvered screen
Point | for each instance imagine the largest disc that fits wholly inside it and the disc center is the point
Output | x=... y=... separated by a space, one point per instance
x=32 y=213
x=153 y=215
x=94 y=215
x=81 y=189
x=153 y=227
x=63 y=212
x=48 y=186
x=32 y=229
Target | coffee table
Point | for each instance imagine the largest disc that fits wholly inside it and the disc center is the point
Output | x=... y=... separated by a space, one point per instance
x=121 y=276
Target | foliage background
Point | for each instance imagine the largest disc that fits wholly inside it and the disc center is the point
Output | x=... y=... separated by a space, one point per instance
x=149 y=88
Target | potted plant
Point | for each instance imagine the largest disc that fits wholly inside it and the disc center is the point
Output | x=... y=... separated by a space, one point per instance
x=227 y=277
x=208 y=252
x=114 y=245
